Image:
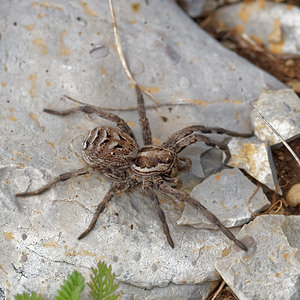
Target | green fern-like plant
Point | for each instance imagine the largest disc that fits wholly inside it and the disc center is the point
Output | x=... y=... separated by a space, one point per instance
x=102 y=286
x=24 y=296
x=102 y=283
x=72 y=287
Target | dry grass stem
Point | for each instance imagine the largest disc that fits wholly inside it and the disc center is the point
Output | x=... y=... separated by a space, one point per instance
x=121 y=54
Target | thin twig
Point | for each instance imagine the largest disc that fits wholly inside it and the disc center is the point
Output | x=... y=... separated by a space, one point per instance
x=121 y=53
x=132 y=108
x=218 y=291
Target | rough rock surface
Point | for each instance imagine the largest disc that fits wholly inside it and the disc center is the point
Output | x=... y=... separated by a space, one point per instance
x=274 y=25
x=271 y=268
x=282 y=110
x=45 y=53
x=230 y=195
x=255 y=158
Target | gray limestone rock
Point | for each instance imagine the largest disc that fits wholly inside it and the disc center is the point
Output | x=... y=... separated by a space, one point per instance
x=275 y=25
x=282 y=110
x=271 y=268
x=230 y=195
x=255 y=158
x=45 y=52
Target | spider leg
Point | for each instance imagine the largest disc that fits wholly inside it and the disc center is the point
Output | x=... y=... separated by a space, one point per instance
x=144 y=122
x=193 y=138
x=152 y=196
x=90 y=109
x=116 y=188
x=61 y=177
x=175 y=137
x=182 y=196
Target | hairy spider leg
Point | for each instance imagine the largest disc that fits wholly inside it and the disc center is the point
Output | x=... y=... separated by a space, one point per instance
x=144 y=122
x=152 y=196
x=184 y=197
x=89 y=109
x=116 y=188
x=61 y=177
x=180 y=134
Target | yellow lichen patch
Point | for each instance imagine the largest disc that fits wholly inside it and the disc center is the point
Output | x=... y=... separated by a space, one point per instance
x=237 y=116
x=80 y=253
x=33 y=79
x=41 y=15
x=12 y=118
x=289 y=7
x=87 y=10
x=8 y=284
x=276 y=35
x=35 y=118
x=41 y=44
x=46 y=5
x=103 y=70
x=246 y=150
x=131 y=124
x=5 y=68
x=152 y=89
x=218 y=176
x=23 y=156
x=132 y=22
x=29 y=27
x=3 y=84
x=224 y=206
x=51 y=144
x=1 y=268
x=8 y=235
x=50 y=244
x=48 y=83
x=277 y=274
x=285 y=255
x=262 y=3
x=258 y=40
x=135 y=7
x=276 y=48
x=226 y=252
x=244 y=13
x=239 y=29
x=63 y=50
x=232 y=172
x=38 y=212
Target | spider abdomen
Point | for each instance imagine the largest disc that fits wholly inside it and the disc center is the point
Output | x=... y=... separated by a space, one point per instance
x=109 y=147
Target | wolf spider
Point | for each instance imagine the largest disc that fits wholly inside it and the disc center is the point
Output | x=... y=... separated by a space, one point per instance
x=115 y=153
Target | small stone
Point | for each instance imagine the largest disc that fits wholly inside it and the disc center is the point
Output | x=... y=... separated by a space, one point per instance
x=293 y=195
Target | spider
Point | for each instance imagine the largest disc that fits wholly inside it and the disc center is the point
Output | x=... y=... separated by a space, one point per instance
x=115 y=153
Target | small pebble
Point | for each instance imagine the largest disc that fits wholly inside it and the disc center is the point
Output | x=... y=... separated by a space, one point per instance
x=293 y=195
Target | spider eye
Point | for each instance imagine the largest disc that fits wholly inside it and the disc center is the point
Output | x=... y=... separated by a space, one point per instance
x=169 y=160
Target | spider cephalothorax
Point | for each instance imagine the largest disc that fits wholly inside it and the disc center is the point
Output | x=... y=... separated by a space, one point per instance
x=115 y=153
x=153 y=160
